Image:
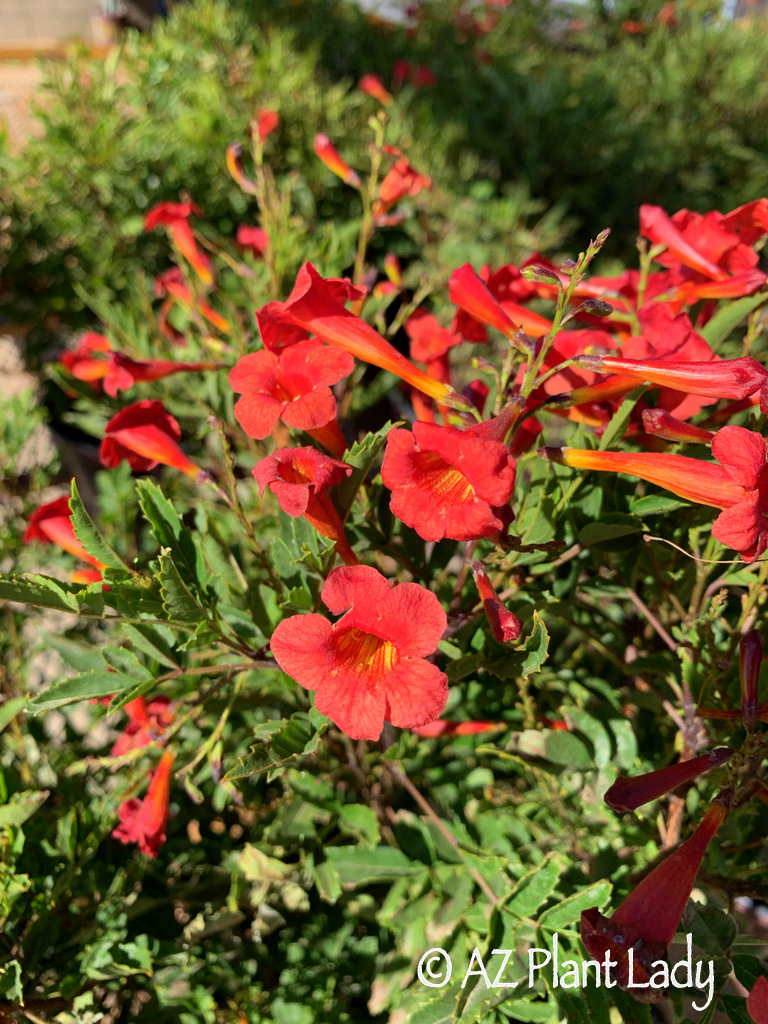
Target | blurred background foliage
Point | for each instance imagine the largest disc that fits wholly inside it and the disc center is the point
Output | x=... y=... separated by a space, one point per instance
x=543 y=122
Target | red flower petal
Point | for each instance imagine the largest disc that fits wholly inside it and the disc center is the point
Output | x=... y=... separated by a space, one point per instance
x=742 y=452
x=744 y=528
x=757 y=1000
x=303 y=648
x=417 y=693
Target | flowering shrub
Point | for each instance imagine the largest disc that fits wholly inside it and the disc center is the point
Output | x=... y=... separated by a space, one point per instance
x=326 y=771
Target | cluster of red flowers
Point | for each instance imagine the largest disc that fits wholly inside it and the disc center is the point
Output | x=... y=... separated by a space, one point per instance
x=452 y=473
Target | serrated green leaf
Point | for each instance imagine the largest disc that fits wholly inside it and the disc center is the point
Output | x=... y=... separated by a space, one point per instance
x=89 y=536
x=358 y=866
x=359 y=820
x=95 y=683
x=295 y=738
x=534 y=889
x=151 y=642
x=568 y=911
x=21 y=806
x=178 y=601
x=521 y=663
x=40 y=590
x=10 y=709
x=170 y=532
x=124 y=661
x=361 y=456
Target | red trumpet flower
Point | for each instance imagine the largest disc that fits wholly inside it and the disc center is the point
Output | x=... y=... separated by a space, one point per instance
x=659 y=423
x=175 y=216
x=504 y=624
x=171 y=283
x=147 y=721
x=266 y=122
x=401 y=180
x=120 y=372
x=145 y=435
x=314 y=305
x=373 y=85
x=738 y=486
x=80 y=362
x=145 y=821
x=325 y=149
x=638 y=934
x=450 y=483
x=299 y=478
x=255 y=239
x=292 y=385
x=52 y=524
x=656 y=225
x=470 y=293
x=370 y=665
x=629 y=794
x=724 y=240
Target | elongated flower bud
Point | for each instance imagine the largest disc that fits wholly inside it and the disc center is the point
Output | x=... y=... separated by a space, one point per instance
x=750 y=656
x=660 y=423
x=721 y=378
x=470 y=293
x=504 y=624
x=629 y=794
x=640 y=931
x=325 y=149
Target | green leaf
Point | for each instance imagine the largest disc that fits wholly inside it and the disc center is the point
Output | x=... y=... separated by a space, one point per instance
x=655 y=504
x=40 y=590
x=150 y=641
x=178 y=601
x=531 y=1013
x=21 y=806
x=10 y=709
x=726 y=319
x=534 y=889
x=361 y=456
x=712 y=930
x=610 y=528
x=10 y=982
x=124 y=661
x=295 y=738
x=360 y=821
x=169 y=531
x=568 y=911
x=615 y=429
x=748 y=969
x=522 y=662
x=358 y=866
x=89 y=536
x=584 y=1006
x=95 y=683
x=735 y=1009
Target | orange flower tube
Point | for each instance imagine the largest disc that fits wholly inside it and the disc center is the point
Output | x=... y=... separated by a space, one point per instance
x=313 y=305
x=325 y=149
x=720 y=378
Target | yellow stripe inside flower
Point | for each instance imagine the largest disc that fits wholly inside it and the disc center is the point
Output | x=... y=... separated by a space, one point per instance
x=365 y=654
